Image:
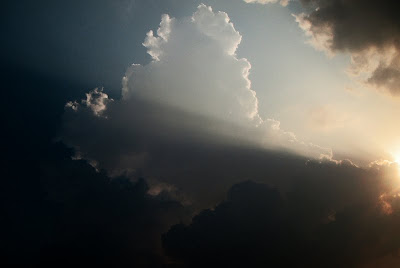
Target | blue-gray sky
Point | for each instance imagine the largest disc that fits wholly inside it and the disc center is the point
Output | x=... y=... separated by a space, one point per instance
x=93 y=43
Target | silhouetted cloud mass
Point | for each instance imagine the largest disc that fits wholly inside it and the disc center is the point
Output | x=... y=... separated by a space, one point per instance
x=299 y=211
x=369 y=30
x=259 y=226
x=77 y=216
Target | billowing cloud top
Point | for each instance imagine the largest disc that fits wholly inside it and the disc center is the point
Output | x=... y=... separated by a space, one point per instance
x=195 y=68
x=194 y=88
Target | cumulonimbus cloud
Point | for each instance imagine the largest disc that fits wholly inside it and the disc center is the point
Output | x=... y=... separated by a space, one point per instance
x=194 y=88
x=368 y=30
x=195 y=68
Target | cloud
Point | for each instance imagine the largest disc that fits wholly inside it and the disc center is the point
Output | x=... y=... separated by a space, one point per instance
x=62 y=212
x=270 y=131
x=195 y=68
x=333 y=220
x=282 y=2
x=369 y=31
x=322 y=210
x=96 y=100
x=195 y=89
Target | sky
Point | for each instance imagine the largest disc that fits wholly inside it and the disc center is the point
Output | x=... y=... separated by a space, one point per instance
x=187 y=133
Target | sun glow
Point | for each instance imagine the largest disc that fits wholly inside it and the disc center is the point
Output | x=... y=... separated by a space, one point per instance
x=396 y=161
x=397 y=158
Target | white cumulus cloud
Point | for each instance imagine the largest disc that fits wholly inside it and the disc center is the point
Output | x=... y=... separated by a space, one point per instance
x=195 y=87
x=195 y=68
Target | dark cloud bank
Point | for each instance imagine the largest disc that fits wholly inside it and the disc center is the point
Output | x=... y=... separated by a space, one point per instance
x=233 y=205
x=360 y=27
x=357 y=24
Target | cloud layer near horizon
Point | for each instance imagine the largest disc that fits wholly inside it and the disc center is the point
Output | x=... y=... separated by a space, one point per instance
x=259 y=226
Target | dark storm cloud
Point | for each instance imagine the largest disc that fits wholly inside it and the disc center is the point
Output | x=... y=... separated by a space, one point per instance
x=387 y=75
x=314 y=210
x=357 y=24
x=75 y=216
x=359 y=27
x=258 y=226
